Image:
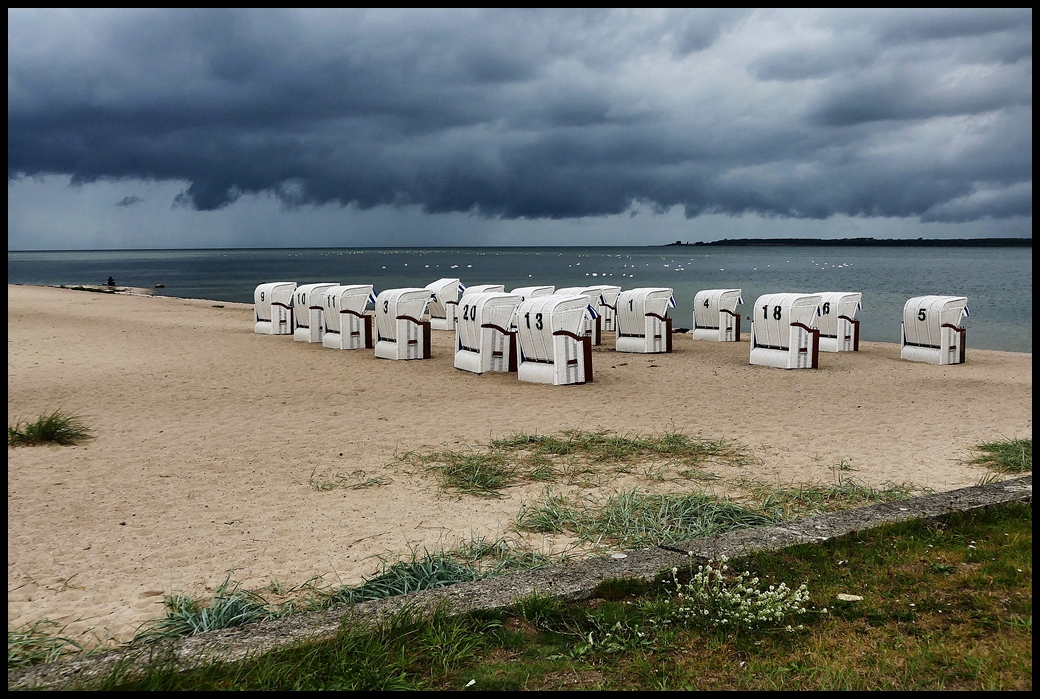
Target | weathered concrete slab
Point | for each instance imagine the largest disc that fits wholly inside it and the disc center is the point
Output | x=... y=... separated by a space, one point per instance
x=575 y=580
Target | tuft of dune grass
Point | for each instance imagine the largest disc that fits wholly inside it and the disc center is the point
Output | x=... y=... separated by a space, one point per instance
x=56 y=428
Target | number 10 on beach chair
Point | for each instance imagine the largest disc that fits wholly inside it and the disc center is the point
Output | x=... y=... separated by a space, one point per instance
x=272 y=308
x=552 y=347
x=401 y=331
x=784 y=331
x=715 y=315
x=309 y=311
x=484 y=337
x=932 y=331
x=347 y=327
x=642 y=321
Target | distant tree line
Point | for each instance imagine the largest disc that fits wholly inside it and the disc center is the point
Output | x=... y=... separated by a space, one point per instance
x=868 y=242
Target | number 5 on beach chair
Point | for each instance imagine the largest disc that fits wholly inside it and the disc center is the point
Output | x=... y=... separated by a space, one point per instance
x=643 y=324
x=932 y=331
x=347 y=326
x=401 y=332
x=484 y=337
x=272 y=308
x=715 y=315
x=309 y=309
x=444 y=302
x=784 y=333
x=552 y=348
x=839 y=329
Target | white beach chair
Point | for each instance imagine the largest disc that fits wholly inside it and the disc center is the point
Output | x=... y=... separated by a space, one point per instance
x=551 y=345
x=272 y=308
x=401 y=332
x=642 y=319
x=347 y=326
x=932 y=331
x=481 y=289
x=607 y=306
x=308 y=309
x=715 y=315
x=444 y=302
x=484 y=337
x=839 y=329
x=593 y=328
x=784 y=333
x=529 y=292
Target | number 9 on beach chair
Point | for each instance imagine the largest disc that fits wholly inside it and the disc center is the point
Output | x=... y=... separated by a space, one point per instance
x=552 y=348
x=309 y=309
x=715 y=315
x=444 y=302
x=346 y=325
x=839 y=329
x=401 y=332
x=643 y=324
x=484 y=338
x=272 y=308
x=932 y=331
x=784 y=333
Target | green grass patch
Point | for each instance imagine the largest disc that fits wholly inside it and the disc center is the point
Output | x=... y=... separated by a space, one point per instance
x=807 y=499
x=56 y=428
x=1007 y=456
x=38 y=642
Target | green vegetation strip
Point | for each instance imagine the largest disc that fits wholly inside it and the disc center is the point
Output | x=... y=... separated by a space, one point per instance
x=1007 y=456
x=56 y=428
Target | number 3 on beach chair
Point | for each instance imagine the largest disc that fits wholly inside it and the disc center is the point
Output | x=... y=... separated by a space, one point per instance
x=401 y=331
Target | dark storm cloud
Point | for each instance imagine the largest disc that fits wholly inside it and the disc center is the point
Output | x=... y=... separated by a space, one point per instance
x=537 y=113
x=129 y=201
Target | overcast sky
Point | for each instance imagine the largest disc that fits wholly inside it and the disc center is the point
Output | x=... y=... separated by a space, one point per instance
x=209 y=128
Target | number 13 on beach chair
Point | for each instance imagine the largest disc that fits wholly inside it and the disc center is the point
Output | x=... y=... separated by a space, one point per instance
x=552 y=346
x=784 y=331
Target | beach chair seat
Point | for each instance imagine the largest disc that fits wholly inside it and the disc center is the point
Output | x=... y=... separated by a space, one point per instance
x=784 y=332
x=593 y=325
x=484 y=337
x=932 y=331
x=642 y=320
x=401 y=332
x=529 y=292
x=715 y=315
x=839 y=328
x=273 y=308
x=347 y=326
x=551 y=345
x=444 y=302
x=309 y=311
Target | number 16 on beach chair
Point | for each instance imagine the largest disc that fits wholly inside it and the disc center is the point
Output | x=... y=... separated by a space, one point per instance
x=784 y=332
x=309 y=309
x=272 y=308
x=552 y=347
x=715 y=315
x=484 y=337
x=401 y=332
x=642 y=321
x=839 y=329
x=347 y=327
x=932 y=331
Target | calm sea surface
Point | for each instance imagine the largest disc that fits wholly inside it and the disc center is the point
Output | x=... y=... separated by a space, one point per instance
x=997 y=281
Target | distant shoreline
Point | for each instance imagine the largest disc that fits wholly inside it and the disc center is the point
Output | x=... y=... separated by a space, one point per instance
x=866 y=242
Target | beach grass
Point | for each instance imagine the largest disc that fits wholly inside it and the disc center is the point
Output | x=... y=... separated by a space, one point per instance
x=56 y=428
x=1006 y=456
x=38 y=642
x=808 y=499
x=931 y=604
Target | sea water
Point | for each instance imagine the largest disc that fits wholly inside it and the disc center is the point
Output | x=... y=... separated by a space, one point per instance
x=997 y=281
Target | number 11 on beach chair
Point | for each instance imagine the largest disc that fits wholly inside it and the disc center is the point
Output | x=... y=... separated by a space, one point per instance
x=401 y=331
x=347 y=327
x=272 y=308
x=309 y=309
x=642 y=321
x=552 y=347
x=484 y=337
x=715 y=315
x=784 y=333
x=932 y=331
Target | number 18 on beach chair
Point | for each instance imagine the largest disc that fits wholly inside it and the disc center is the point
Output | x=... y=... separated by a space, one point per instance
x=642 y=320
x=309 y=309
x=932 y=331
x=715 y=315
x=401 y=332
x=552 y=346
x=272 y=308
x=484 y=337
x=784 y=331
x=347 y=326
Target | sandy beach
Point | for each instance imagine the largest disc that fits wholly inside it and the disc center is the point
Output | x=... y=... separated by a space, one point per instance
x=209 y=438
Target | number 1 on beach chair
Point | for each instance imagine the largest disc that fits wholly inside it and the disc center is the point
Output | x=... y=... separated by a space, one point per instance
x=643 y=324
x=272 y=308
